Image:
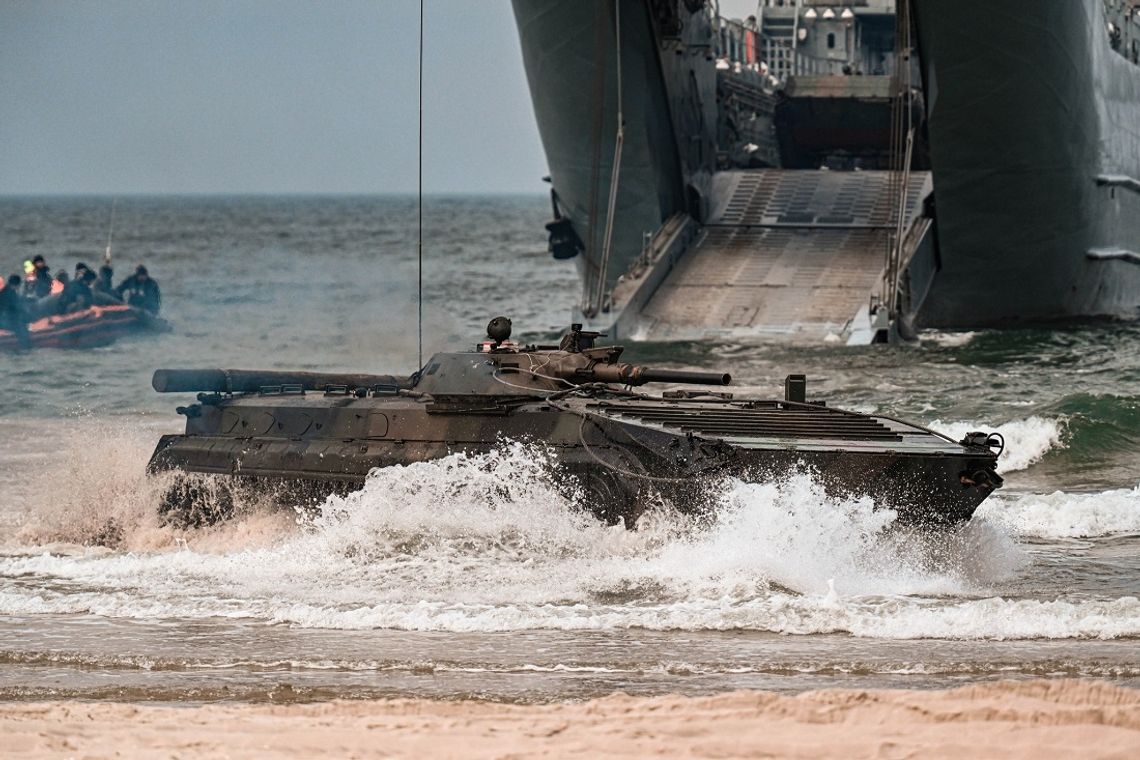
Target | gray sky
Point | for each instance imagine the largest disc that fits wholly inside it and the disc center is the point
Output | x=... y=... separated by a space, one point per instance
x=252 y=96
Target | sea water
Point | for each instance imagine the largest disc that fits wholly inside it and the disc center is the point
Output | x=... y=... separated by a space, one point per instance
x=478 y=575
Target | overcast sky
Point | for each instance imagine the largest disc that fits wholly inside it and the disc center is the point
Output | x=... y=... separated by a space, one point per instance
x=264 y=96
x=261 y=96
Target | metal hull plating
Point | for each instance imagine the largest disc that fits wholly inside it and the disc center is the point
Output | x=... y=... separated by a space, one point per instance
x=1027 y=107
x=328 y=431
x=614 y=461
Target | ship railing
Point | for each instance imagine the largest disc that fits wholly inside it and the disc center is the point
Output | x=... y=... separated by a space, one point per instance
x=737 y=42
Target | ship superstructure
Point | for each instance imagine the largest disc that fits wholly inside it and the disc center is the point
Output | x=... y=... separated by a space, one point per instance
x=821 y=171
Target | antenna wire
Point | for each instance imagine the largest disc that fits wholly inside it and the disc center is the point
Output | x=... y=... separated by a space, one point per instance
x=420 y=200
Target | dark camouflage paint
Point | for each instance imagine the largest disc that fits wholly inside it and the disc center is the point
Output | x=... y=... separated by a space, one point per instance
x=616 y=443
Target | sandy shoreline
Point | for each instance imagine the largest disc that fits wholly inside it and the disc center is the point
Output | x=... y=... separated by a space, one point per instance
x=1062 y=718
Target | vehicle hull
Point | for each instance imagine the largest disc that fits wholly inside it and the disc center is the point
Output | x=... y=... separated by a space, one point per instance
x=611 y=455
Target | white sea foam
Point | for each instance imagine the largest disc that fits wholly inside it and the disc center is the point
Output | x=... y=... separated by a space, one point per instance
x=948 y=339
x=487 y=543
x=1026 y=441
x=1065 y=515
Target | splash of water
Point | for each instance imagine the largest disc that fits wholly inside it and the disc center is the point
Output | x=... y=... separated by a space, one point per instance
x=489 y=542
x=99 y=494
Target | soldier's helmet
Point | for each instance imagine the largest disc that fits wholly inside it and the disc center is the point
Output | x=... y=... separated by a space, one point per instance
x=499 y=329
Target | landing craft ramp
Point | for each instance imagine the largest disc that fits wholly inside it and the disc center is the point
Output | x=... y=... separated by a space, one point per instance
x=786 y=255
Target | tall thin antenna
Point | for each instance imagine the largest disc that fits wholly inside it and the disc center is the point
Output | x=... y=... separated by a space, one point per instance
x=420 y=200
x=110 y=233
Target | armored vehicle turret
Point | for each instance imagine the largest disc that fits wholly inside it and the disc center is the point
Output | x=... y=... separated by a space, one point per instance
x=305 y=435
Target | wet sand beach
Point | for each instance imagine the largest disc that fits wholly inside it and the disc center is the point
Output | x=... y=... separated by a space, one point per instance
x=1031 y=719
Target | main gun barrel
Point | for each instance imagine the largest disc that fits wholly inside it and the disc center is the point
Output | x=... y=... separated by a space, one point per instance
x=650 y=375
x=635 y=374
x=250 y=381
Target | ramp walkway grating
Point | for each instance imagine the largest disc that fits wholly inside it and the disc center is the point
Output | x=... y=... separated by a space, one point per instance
x=787 y=255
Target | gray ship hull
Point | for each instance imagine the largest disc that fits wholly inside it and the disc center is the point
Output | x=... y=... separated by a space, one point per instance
x=1032 y=124
x=570 y=55
x=1035 y=148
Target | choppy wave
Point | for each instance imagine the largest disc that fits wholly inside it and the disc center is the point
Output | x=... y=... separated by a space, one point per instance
x=488 y=543
x=1066 y=515
x=1099 y=424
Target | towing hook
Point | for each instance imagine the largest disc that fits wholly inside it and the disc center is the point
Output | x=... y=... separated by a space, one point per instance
x=985 y=480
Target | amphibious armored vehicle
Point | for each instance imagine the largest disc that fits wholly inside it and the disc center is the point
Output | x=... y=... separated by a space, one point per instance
x=310 y=434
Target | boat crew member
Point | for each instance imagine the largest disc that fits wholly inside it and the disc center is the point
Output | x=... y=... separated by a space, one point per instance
x=12 y=314
x=104 y=283
x=49 y=305
x=38 y=279
x=140 y=291
x=104 y=288
x=77 y=295
x=59 y=283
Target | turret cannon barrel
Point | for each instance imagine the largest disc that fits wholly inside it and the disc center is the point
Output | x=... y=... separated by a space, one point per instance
x=635 y=374
x=251 y=381
x=651 y=375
